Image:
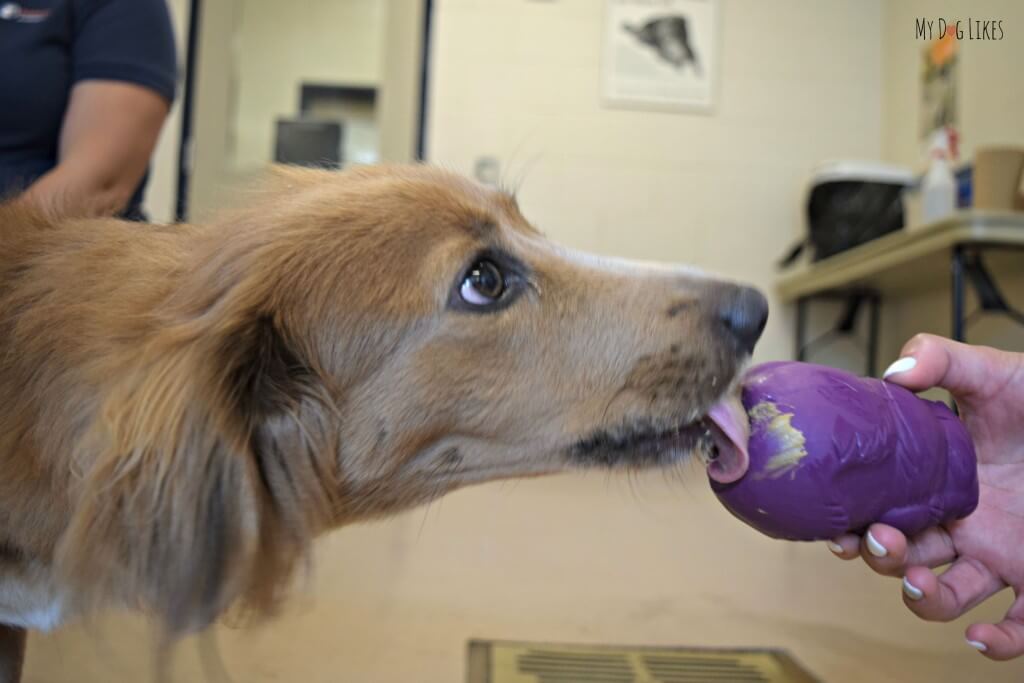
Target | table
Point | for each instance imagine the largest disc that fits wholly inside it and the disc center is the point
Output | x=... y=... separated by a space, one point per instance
x=920 y=258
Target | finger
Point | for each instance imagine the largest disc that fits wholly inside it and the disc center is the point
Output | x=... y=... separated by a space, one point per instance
x=887 y=551
x=968 y=372
x=846 y=547
x=1001 y=641
x=883 y=549
x=963 y=586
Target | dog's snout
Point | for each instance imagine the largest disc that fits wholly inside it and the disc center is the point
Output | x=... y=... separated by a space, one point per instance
x=743 y=311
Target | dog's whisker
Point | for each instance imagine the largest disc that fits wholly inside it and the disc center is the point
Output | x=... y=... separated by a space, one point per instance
x=525 y=170
x=513 y=159
x=423 y=520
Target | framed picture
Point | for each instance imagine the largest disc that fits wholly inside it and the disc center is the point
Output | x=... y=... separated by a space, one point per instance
x=660 y=54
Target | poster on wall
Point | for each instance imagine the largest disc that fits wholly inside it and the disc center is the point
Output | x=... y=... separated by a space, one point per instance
x=660 y=54
x=939 y=75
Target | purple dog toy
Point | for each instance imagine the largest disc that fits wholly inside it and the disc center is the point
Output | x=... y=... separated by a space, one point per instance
x=832 y=453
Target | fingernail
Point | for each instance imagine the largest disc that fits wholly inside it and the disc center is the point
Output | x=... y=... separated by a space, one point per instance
x=835 y=547
x=902 y=365
x=978 y=645
x=911 y=591
x=876 y=548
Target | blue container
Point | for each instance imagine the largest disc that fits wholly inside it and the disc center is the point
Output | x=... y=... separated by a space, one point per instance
x=964 y=186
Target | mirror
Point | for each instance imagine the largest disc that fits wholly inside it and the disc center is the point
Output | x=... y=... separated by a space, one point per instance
x=307 y=78
x=325 y=83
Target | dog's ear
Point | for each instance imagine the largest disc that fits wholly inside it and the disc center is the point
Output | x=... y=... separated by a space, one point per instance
x=201 y=484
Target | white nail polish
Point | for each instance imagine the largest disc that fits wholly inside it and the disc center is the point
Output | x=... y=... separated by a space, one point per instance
x=902 y=365
x=978 y=645
x=876 y=548
x=835 y=547
x=911 y=591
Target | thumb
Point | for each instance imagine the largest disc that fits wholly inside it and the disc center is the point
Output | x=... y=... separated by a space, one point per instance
x=970 y=373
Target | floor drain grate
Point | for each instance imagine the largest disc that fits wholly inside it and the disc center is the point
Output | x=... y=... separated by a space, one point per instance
x=509 y=662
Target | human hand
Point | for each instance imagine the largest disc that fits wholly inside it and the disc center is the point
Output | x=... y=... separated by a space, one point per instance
x=985 y=551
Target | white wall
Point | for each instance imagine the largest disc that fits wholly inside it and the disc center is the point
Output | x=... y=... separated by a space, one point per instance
x=991 y=97
x=991 y=110
x=520 y=80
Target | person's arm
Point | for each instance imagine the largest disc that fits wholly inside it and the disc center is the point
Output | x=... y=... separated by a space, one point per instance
x=108 y=135
x=123 y=75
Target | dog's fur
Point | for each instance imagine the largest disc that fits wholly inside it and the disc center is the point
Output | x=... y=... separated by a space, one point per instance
x=184 y=408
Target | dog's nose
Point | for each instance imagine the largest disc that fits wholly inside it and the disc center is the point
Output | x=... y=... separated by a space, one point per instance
x=743 y=311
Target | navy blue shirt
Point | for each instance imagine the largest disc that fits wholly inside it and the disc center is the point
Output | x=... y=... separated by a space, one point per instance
x=47 y=46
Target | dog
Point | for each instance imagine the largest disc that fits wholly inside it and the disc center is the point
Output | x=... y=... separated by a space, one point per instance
x=186 y=407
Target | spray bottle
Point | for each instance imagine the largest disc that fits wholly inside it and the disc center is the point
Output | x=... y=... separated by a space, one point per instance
x=938 y=189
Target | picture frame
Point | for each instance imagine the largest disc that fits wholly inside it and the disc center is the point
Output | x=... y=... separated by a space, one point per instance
x=661 y=55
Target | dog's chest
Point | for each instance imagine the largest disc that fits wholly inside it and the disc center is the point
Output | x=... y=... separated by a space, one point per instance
x=43 y=617
x=30 y=603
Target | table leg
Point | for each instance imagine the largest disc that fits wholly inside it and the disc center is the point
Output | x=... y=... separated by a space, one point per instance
x=957 y=287
x=873 y=334
x=801 y=328
x=958 y=293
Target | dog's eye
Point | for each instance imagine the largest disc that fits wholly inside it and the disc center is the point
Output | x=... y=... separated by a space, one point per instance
x=483 y=285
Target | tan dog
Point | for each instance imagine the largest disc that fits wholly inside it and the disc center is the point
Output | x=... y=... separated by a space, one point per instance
x=186 y=407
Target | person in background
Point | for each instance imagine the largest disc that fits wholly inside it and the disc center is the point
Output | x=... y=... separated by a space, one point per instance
x=985 y=551
x=85 y=87
x=84 y=90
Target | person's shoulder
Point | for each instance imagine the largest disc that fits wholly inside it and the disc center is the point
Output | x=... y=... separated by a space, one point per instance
x=158 y=9
x=126 y=40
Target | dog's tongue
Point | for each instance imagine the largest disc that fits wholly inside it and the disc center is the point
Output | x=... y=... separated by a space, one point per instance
x=731 y=432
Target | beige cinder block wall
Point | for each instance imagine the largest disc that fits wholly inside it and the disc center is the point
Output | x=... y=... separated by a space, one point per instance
x=595 y=558
x=991 y=111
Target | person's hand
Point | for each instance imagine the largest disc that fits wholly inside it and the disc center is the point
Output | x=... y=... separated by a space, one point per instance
x=986 y=550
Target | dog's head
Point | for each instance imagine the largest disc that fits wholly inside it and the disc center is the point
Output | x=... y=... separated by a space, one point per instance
x=357 y=343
